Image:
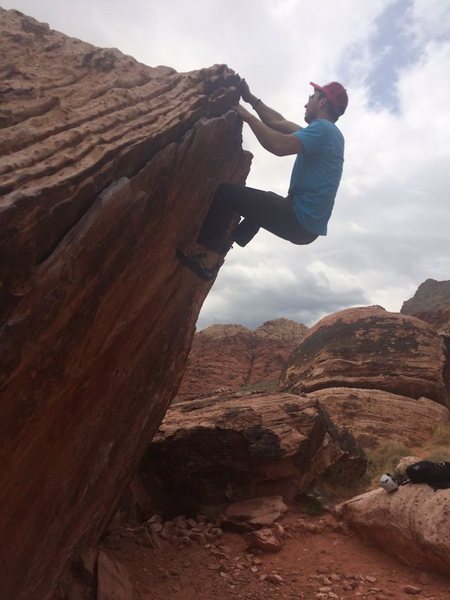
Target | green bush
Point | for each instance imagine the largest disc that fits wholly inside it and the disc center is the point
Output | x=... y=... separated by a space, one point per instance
x=438 y=453
x=384 y=458
x=441 y=436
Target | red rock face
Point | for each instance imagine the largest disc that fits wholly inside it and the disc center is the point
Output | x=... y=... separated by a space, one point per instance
x=106 y=167
x=229 y=357
x=369 y=348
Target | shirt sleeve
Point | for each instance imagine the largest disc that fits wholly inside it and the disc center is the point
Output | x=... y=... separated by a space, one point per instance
x=312 y=137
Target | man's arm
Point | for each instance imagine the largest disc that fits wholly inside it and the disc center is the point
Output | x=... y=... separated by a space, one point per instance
x=280 y=144
x=270 y=117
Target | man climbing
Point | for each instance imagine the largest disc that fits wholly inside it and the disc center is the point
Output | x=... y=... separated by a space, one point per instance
x=301 y=216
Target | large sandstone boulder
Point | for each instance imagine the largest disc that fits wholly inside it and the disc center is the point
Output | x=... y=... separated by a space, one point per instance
x=371 y=348
x=412 y=524
x=231 y=357
x=212 y=451
x=106 y=166
x=376 y=416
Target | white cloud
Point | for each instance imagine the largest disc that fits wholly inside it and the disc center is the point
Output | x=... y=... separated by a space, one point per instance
x=429 y=19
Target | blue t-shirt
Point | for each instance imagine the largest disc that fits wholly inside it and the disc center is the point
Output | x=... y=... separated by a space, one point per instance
x=316 y=174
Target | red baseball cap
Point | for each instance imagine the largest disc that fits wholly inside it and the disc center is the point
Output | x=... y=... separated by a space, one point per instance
x=336 y=95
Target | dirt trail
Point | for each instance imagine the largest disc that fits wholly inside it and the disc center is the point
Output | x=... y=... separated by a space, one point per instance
x=319 y=560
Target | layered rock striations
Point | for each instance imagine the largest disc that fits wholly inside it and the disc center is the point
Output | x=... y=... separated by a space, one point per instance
x=375 y=416
x=231 y=357
x=382 y=375
x=211 y=451
x=373 y=349
x=106 y=166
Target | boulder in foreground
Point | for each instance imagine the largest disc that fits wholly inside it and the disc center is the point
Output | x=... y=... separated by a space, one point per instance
x=412 y=524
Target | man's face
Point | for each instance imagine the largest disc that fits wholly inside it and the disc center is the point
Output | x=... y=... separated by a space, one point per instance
x=313 y=106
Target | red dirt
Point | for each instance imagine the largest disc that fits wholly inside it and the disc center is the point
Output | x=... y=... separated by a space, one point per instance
x=331 y=558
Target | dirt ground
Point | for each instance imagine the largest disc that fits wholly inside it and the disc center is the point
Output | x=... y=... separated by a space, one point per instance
x=319 y=560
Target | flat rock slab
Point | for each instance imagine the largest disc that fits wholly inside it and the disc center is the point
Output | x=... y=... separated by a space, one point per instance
x=376 y=416
x=264 y=539
x=412 y=523
x=254 y=513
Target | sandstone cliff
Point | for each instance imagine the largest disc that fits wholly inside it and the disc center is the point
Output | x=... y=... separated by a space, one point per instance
x=231 y=357
x=106 y=166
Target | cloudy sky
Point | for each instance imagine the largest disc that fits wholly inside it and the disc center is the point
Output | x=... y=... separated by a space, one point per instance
x=390 y=229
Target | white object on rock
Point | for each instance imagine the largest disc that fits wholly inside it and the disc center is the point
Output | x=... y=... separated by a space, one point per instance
x=388 y=483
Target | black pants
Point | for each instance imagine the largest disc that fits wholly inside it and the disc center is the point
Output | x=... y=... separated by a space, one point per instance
x=259 y=209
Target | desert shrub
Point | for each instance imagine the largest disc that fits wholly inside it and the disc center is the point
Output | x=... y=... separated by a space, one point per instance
x=438 y=447
x=309 y=505
x=441 y=435
x=384 y=458
x=339 y=492
x=265 y=386
x=438 y=453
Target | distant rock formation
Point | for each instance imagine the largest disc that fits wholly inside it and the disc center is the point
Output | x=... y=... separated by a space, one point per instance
x=106 y=166
x=431 y=295
x=210 y=452
x=411 y=524
x=231 y=357
x=370 y=348
x=282 y=329
x=431 y=303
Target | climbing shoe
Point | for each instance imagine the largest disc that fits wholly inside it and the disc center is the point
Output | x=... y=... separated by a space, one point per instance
x=196 y=264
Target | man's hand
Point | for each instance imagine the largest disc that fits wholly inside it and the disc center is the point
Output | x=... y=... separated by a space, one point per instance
x=270 y=117
x=245 y=91
x=243 y=113
x=280 y=144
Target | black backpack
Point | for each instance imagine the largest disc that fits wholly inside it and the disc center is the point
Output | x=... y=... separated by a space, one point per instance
x=436 y=475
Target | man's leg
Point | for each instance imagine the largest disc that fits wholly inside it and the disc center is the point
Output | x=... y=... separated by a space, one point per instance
x=215 y=232
x=262 y=209
x=259 y=209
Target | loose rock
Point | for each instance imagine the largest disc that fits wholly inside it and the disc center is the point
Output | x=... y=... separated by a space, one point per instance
x=264 y=539
x=412 y=590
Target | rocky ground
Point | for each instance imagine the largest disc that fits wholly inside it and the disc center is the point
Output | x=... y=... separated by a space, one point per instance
x=320 y=559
